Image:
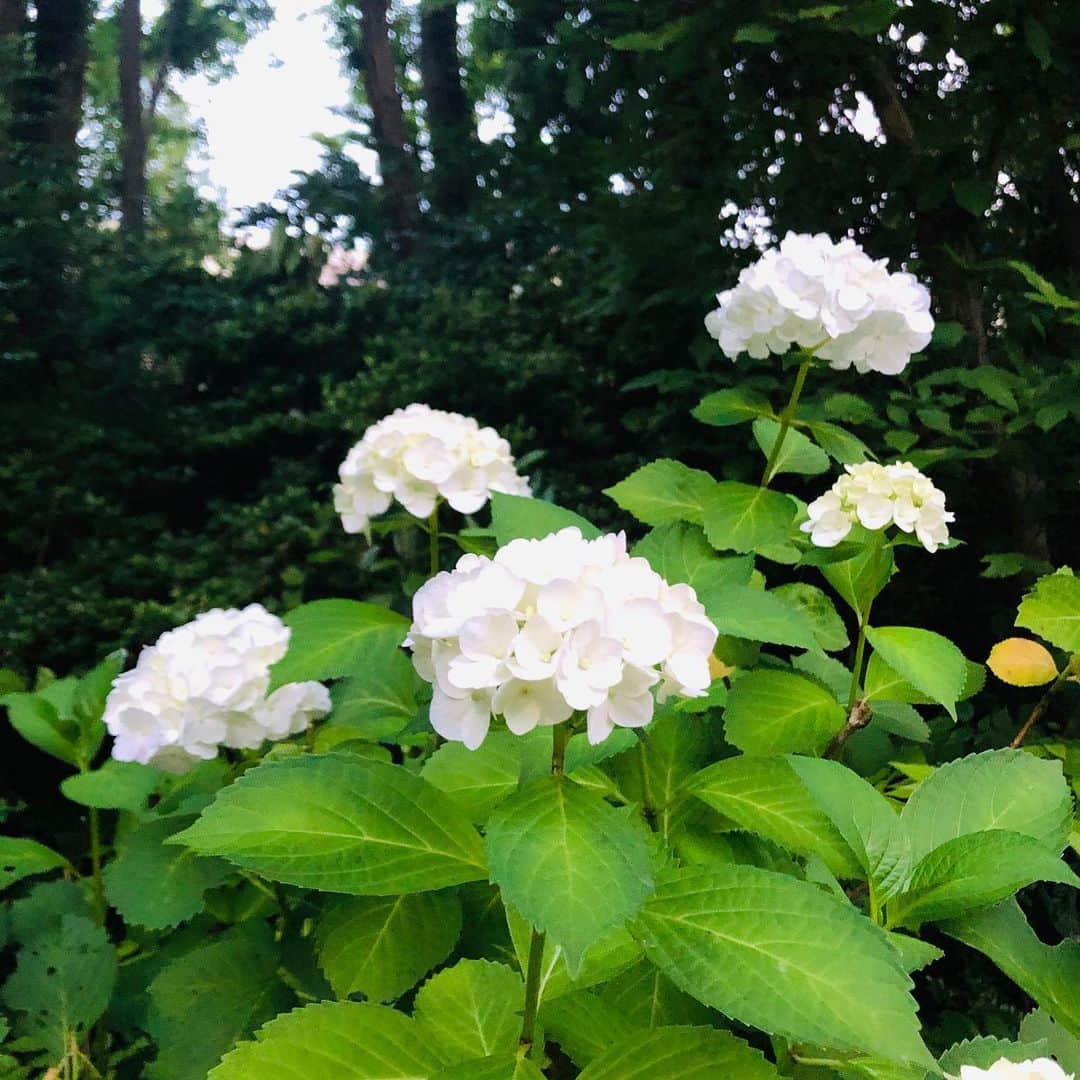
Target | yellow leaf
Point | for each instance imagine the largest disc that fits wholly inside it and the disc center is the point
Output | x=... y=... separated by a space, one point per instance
x=1020 y=662
x=718 y=669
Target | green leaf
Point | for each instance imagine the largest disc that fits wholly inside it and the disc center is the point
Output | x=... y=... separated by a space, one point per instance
x=664 y=491
x=382 y=946
x=572 y=865
x=88 y=703
x=930 y=662
x=342 y=1039
x=472 y=1010
x=1039 y=41
x=974 y=871
x=689 y=1053
x=1052 y=610
x=646 y=998
x=781 y=955
x=680 y=554
x=740 y=517
x=975 y=196
x=726 y=407
x=342 y=824
x=500 y=1067
x=985 y=1051
x=585 y=1026
x=1037 y=1026
x=331 y=638
x=157 y=885
x=766 y=796
x=997 y=789
x=863 y=817
x=378 y=702
x=515 y=516
x=1048 y=973
x=21 y=858
x=222 y=991
x=477 y=780
x=882 y=683
x=776 y=711
x=797 y=455
x=37 y=720
x=117 y=785
x=819 y=609
x=755 y=34
x=745 y=612
x=859 y=580
x=62 y=981
x=654 y=40
x=839 y=443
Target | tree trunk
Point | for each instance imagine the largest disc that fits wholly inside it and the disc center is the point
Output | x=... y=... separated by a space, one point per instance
x=448 y=114
x=388 y=118
x=60 y=56
x=133 y=142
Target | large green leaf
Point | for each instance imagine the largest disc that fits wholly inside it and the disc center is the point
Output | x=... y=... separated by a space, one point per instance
x=864 y=818
x=820 y=610
x=477 y=780
x=797 y=454
x=771 y=711
x=88 y=703
x=665 y=491
x=1038 y=1026
x=740 y=517
x=779 y=954
x=499 y=1067
x=679 y=553
x=745 y=612
x=515 y=516
x=222 y=990
x=1052 y=610
x=928 y=661
x=1049 y=973
x=689 y=1053
x=343 y=1039
x=331 y=638
x=859 y=579
x=572 y=865
x=62 y=983
x=766 y=796
x=985 y=1051
x=378 y=701
x=21 y=858
x=342 y=824
x=585 y=1026
x=726 y=407
x=155 y=884
x=997 y=789
x=472 y=1010
x=39 y=722
x=117 y=785
x=646 y=998
x=381 y=946
x=974 y=871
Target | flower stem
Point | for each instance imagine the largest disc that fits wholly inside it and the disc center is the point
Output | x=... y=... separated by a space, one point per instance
x=860 y=650
x=785 y=419
x=560 y=735
x=433 y=539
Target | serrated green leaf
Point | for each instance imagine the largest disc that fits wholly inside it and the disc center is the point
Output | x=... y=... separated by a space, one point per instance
x=472 y=1010
x=740 y=517
x=839 y=443
x=477 y=780
x=690 y=1053
x=157 y=885
x=797 y=454
x=1038 y=1027
x=382 y=946
x=117 y=785
x=21 y=858
x=572 y=865
x=62 y=983
x=1052 y=610
x=820 y=610
x=771 y=711
x=515 y=516
x=781 y=955
x=735 y=406
x=585 y=1026
x=974 y=871
x=665 y=491
x=500 y=1067
x=882 y=683
x=342 y=1039
x=88 y=702
x=997 y=789
x=766 y=796
x=680 y=554
x=37 y=720
x=379 y=701
x=644 y=997
x=341 y=824
x=985 y=1051
x=222 y=990
x=756 y=615
x=331 y=638
x=755 y=33
x=929 y=662
x=859 y=580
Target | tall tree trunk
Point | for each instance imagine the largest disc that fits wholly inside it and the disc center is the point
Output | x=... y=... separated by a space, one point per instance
x=448 y=113
x=388 y=117
x=133 y=144
x=60 y=55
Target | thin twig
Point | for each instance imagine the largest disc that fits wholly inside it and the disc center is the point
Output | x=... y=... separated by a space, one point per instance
x=857 y=719
x=1071 y=670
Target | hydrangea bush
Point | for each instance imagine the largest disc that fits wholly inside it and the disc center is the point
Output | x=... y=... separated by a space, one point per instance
x=623 y=806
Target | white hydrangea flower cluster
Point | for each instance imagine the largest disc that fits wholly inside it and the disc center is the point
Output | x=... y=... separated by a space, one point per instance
x=418 y=455
x=553 y=626
x=826 y=296
x=1039 y=1069
x=203 y=685
x=876 y=496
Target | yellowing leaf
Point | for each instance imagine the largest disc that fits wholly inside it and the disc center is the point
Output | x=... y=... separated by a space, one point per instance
x=1021 y=662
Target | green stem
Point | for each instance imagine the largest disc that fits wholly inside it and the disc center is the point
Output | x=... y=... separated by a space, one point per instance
x=95 y=864
x=433 y=539
x=860 y=650
x=785 y=419
x=560 y=735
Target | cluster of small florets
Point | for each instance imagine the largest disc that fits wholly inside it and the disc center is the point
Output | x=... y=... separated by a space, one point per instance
x=875 y=497
x=1038 y=1069
x=552 y=627
x=828 y=297
x=418 y=455
x=203 y=685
